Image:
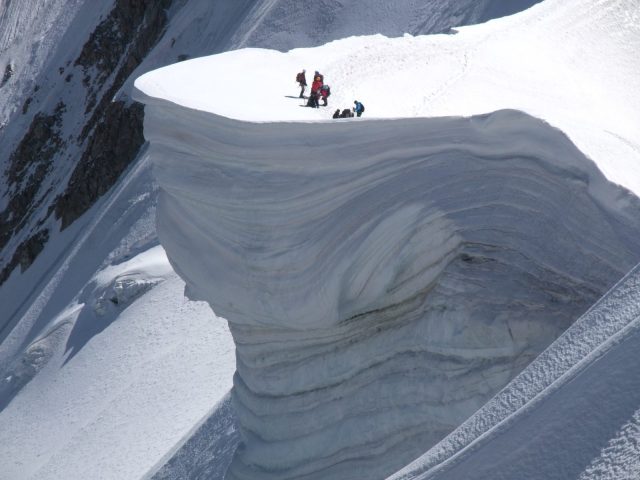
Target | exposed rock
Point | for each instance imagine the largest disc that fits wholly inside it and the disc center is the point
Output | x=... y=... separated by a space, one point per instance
x=25 y=254
x=120 y=42
x=25 y=105
x=110 y=139
x=8 y=73
x=28 y=166
x=113 y=134
x=110 y=149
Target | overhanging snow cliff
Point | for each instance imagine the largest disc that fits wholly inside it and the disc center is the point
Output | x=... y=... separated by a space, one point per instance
x=382 y=279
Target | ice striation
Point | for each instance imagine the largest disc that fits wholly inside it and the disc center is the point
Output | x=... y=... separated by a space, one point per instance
x=382 y=279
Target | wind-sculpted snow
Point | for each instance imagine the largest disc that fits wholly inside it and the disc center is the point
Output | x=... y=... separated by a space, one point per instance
x=382 y=279
x=584 y=368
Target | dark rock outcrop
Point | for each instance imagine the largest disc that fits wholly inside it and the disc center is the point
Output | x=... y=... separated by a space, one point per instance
x=110 y=138
x=110 y=150
x=8 y=73
x=113 y=135
x=28 y=166
x=25 y=254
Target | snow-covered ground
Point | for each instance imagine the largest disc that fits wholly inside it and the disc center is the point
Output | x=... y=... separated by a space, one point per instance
x=305 y=231
x=114 y=371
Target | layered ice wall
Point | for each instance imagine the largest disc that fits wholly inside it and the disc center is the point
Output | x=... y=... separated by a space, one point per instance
x=382 y=279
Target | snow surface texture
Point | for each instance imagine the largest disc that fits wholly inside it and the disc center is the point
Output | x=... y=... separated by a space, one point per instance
x=382 y=279
x=572 y=413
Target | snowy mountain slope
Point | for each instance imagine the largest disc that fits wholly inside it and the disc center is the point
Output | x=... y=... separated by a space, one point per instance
x=206 y=451
x=114 y=371
x=283 y=24
x=572 y=413
x=28 y=38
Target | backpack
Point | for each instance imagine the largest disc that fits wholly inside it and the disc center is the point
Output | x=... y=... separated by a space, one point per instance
x=362 y=108
x=327 y=89
x=300 y=77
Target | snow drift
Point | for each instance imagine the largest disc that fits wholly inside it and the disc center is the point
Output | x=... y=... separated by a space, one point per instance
x=382 y=279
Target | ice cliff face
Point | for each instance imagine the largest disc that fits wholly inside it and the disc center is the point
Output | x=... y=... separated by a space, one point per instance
x=383 y=279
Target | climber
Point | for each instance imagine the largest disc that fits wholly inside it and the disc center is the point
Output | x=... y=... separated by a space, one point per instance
x=359 y=108
x=301 y=78
x=316 y=85
x=325 y=91
x=315 y=92
x=336 y=114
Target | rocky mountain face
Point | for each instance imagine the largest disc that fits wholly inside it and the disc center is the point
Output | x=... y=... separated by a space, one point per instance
x=76 y=145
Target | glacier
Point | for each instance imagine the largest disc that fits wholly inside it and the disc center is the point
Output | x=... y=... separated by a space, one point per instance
x=382 y=279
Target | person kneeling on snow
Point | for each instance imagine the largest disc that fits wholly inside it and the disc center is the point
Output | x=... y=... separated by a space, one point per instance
x=325 y=91
x=359 y=108
x=336 y=114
